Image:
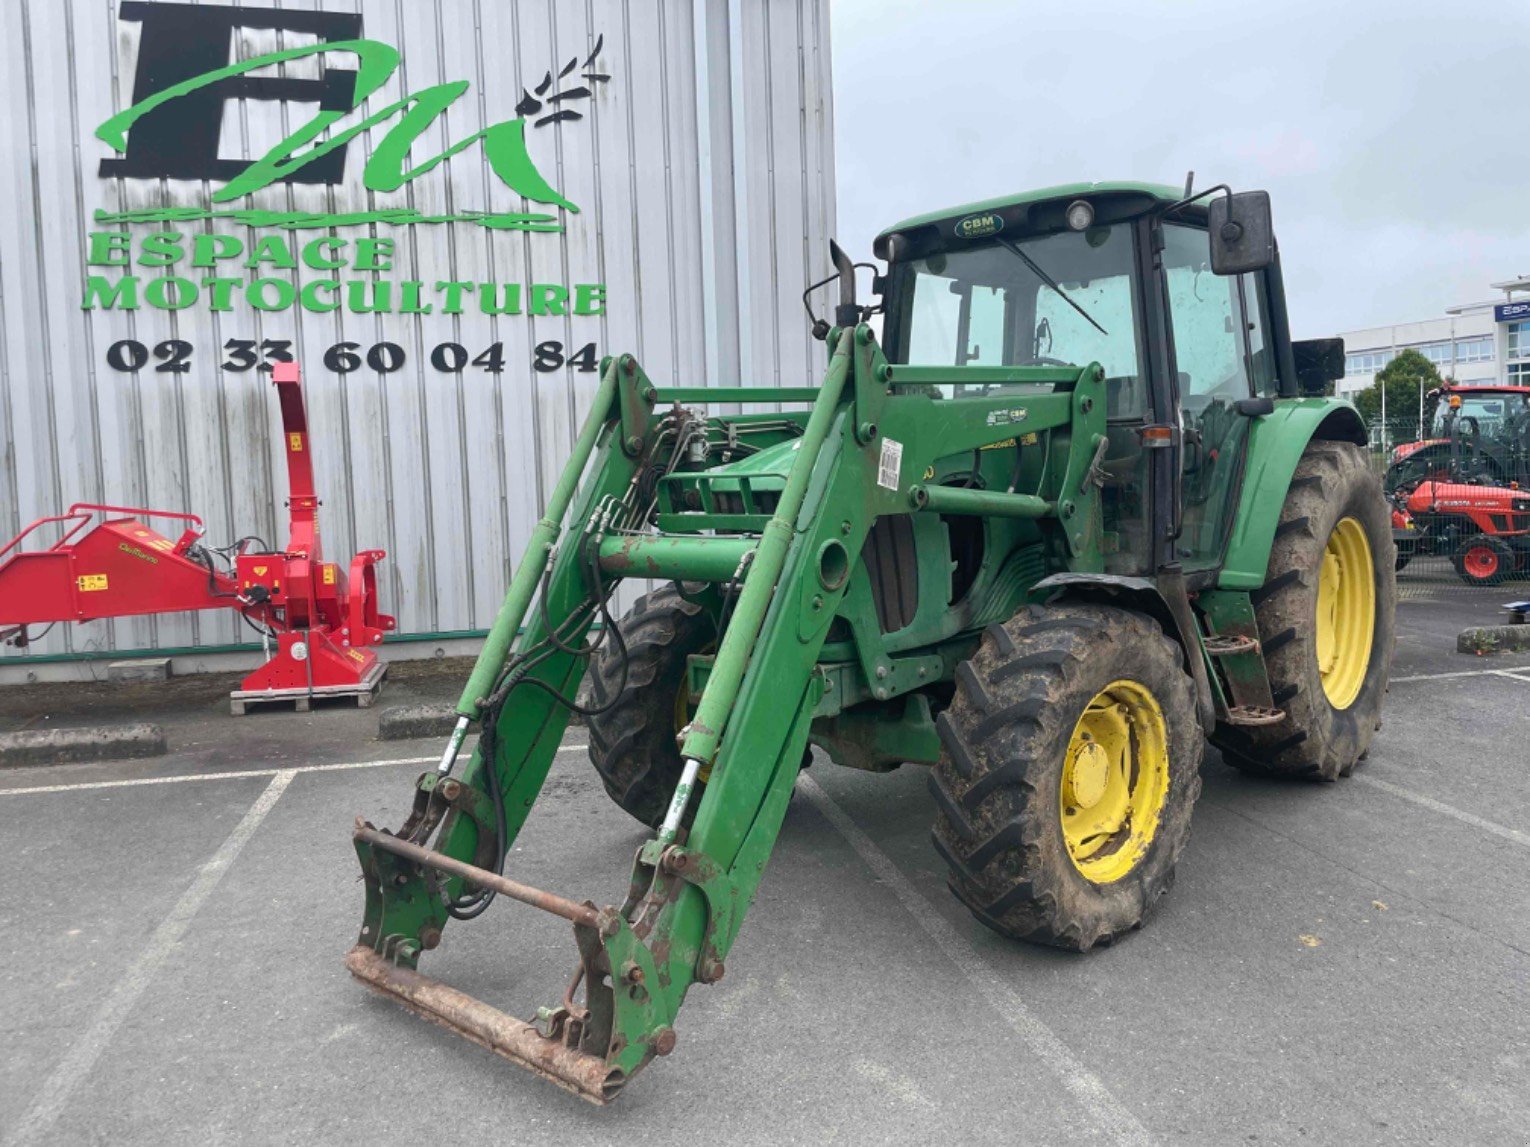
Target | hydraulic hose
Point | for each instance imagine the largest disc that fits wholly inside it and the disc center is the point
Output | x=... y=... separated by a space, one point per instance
x=496 y=647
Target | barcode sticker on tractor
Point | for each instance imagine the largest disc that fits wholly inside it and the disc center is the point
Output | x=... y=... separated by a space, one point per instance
x=891 y=464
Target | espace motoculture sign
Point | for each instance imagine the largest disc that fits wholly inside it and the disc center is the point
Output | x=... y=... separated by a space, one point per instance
x=173 y=130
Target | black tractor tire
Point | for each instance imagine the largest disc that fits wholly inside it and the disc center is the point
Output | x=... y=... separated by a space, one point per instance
x=1315 y=740
x=1484 y=560
x=998 y=784
x=632 y=743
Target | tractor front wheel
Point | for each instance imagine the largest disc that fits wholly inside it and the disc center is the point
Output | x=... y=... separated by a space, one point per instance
x=1071 y=761
x=1326 y=621
x=632 y=743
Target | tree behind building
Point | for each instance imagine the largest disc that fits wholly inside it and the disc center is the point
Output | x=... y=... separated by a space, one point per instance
x=1403 y=380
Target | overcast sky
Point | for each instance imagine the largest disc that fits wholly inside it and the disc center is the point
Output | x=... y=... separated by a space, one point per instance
x=1394 y=138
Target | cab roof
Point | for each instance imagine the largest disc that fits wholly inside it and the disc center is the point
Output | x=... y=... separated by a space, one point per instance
x=1470 y=388
x=1158 y=191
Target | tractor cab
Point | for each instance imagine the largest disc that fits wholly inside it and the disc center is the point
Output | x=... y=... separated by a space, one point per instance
x=1121 y=275
x=1479 y=435
x=1488 y=411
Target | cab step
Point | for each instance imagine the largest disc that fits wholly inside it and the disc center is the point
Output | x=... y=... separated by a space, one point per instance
x=1230 y=645
x=1254 y=715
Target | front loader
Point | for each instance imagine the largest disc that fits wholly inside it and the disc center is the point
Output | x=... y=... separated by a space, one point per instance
x=1081 y=508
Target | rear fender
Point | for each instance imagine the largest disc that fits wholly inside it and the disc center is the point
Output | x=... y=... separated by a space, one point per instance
x=1275 y=446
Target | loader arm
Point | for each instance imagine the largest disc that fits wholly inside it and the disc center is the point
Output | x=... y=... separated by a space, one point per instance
x=862 y=452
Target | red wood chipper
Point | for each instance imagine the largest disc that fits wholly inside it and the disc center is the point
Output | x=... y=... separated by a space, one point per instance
x=109 y=563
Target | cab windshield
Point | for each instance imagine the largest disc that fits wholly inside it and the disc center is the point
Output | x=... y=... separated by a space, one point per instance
x=987 y=306
x=1480 y=414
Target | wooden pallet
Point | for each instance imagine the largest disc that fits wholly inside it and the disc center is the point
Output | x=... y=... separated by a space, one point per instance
x=240 y=700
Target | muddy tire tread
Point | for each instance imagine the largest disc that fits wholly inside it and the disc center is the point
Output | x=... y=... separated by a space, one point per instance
x=1315 y=741
x=1017 y=699
x=632 y=744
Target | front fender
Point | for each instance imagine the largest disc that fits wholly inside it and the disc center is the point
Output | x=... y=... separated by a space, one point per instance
x=1275 y=445
x=1164 y=600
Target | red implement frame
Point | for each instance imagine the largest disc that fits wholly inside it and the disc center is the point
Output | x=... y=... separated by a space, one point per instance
x=325 y=622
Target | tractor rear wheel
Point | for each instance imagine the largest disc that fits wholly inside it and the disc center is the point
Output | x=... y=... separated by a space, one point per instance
x=1326 y=621
x=632 y=743
x=1070 y=764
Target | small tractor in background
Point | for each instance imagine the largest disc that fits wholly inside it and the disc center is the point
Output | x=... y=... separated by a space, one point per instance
x=1465 y=493
x=1081 y=507
x=108 y=562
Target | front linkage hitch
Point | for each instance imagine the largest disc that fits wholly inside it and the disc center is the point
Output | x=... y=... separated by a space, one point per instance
x=689 y=889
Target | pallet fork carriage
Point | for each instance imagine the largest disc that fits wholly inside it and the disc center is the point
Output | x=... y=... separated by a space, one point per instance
x=941 y=564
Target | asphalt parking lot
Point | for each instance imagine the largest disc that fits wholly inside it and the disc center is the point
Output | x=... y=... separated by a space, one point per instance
x=1335 y=964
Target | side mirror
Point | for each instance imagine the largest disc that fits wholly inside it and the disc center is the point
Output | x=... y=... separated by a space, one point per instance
x=1318 y=362
x=1242 y=234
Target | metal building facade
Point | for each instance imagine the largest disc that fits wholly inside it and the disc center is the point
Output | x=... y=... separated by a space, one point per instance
x=688 y=150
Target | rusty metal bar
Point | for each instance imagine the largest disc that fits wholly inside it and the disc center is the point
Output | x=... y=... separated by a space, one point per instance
x=546 y=901
x=587 y=1076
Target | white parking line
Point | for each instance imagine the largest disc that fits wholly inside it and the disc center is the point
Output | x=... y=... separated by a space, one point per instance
x=1512 y=835
x=1510 y=673
x=80 y=1058
x=237 y=774
x=1111 y=1119
x=233 y=775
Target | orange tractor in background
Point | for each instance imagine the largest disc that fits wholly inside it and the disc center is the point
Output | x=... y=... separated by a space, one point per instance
x=1462 y=493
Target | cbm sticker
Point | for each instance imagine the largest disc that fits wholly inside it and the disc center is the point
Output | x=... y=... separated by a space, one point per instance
x=976 y=226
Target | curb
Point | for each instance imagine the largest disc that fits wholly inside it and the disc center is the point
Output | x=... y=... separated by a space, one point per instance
x=63 y=746
x=410 y=722
x=413 y=722
x=1484 y=639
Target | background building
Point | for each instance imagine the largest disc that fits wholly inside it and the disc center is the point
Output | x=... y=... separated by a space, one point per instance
x=1482 y=342
x=531 y=185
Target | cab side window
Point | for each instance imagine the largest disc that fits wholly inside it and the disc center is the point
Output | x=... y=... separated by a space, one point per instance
x=1262 y=354
x=1206 y=314
x=1206 y=321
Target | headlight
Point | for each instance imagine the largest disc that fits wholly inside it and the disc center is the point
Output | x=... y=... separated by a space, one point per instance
x=1080 y=215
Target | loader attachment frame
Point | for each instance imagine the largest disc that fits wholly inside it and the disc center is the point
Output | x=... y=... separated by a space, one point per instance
x=866 y=449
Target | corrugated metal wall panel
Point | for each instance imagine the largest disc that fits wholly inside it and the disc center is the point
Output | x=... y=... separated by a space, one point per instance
x=703 y=171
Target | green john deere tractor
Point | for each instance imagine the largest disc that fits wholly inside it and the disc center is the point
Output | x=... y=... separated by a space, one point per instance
x=1080 y=509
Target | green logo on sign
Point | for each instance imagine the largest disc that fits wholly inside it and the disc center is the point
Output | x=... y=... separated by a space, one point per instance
x=389 y=166
x=976 y=226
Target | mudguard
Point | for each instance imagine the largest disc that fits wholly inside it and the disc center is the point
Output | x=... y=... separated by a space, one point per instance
x=1164 y=600
x=1275 y=446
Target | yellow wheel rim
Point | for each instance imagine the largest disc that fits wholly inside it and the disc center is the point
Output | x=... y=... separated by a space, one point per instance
x=1346 y=613
x=1115 y=779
